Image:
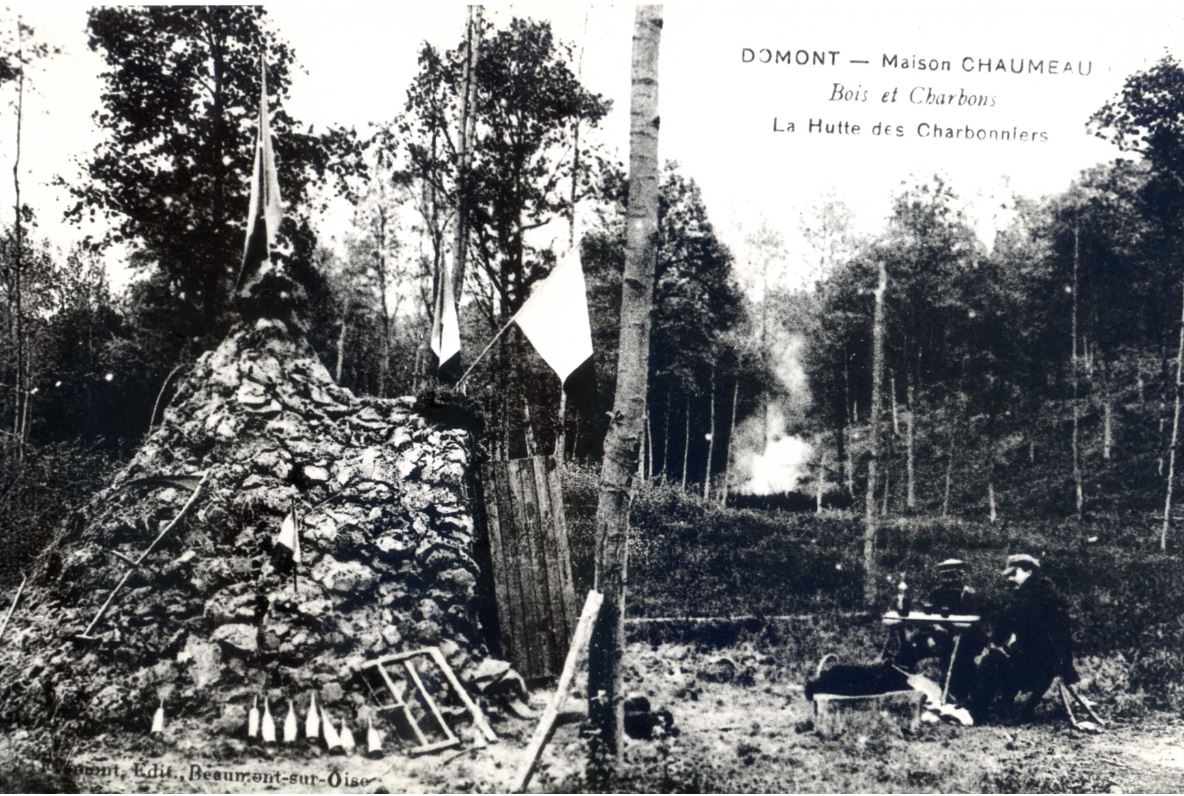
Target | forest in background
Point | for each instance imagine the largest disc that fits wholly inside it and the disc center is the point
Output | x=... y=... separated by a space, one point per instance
x=1035 y=377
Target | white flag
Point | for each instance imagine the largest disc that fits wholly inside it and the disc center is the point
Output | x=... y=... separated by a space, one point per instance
x=289 y=535
x=555 y=317
x=445 y=327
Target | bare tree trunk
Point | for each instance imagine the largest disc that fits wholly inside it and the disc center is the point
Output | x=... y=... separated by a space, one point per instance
x=665 y=440
x=466 y=125
x=869 y=531
x=911 y=489
x=384 y=366
x=1107 y=428
x=1079 y=491
x=723 y=501
x=686 y=443
x=710 y=439
x=1167 y=505
x=20 y=385
x=606 y=650
x=887 y=489
x=340 y=349
x=945 y=500
x=895 y=414
x=649 y=445
x=561 y=431
x=992 y=515
x=850 y=476
x=821 y=483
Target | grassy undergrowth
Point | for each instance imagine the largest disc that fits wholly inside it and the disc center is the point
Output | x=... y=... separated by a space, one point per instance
x=688 y=557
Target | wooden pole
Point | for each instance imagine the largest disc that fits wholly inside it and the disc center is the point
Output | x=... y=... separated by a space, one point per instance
x=546 y=725
x=605 y=671
x=12 y=607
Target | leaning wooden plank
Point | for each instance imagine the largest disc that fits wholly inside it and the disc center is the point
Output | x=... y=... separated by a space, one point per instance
x=478 y=717
x=546 y=726
x=16 y=598
x=164 y=532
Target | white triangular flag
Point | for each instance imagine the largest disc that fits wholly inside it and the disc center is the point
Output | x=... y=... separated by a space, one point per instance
x=329 y=731
x=445 y=327
x=312 y=722
x=347 y=738
x=267 y=724
x=290 y=724
x=253 y=718
x=158 y=718
x=555 y=317
x=289 y=535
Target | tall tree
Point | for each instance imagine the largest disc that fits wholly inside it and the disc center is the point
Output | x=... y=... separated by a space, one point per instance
x=605 y=670
x=181 y=86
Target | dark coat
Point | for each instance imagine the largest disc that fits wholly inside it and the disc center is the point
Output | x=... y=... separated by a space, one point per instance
x=1038 y=616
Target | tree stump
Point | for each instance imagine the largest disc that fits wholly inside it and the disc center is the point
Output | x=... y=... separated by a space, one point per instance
x=836 y=715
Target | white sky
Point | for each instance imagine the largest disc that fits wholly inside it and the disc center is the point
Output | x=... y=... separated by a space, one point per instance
x=717 y=113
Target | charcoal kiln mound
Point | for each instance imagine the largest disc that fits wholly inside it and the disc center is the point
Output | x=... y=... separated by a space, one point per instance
x=219 y=612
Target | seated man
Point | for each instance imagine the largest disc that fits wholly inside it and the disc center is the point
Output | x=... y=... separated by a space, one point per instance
x=950 y=596
x=1031 y=643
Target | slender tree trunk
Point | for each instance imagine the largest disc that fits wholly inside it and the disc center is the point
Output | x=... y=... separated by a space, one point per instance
x=1079 y=491
x=649 y=445
x=723 y=501
x=820 y=486
x=686 y=443
x=561 y=430
x=606 y=650
x=895 y=414
x=911 y=489
x=992 y=514
x=1167 y=505
x=710 y=439
x=887 y=489
x=1107 y=428
x=21 y=384
x=850 y=476
x=384 y=366
x=665 y=439
x=945 y=500
x=466 y=125
x=340 y=349
x=575 y=437
x=869 y=530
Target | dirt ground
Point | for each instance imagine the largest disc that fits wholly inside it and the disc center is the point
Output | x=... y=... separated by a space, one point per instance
x=738 y=717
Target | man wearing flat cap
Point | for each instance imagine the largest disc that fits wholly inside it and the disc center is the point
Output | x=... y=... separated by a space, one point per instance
x=1031 y=643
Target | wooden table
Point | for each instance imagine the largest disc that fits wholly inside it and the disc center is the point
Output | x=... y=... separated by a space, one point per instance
x=957 y=624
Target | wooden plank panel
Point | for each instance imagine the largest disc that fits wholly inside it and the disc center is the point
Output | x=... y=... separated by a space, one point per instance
x=501 y=577
x=512 y=611
x=557 y=629
x=544 y=632
x=527 y=571
x=555 y=486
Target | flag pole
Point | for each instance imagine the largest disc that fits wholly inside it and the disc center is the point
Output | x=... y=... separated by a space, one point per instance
x=485 y=350
x=296 y=542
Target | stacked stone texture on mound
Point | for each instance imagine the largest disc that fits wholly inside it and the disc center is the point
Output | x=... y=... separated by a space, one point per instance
x=217 y=613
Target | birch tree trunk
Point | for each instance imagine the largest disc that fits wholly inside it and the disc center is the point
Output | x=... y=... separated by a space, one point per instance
x=1167 y=505
x=20 y=384
x=1107 y=428
x=710 y=440
x=606 y=649
x=869 y=517
x=723 y=501
x=1078 y=490
x=911 y=489
x=821 y=483
x=686 y=442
